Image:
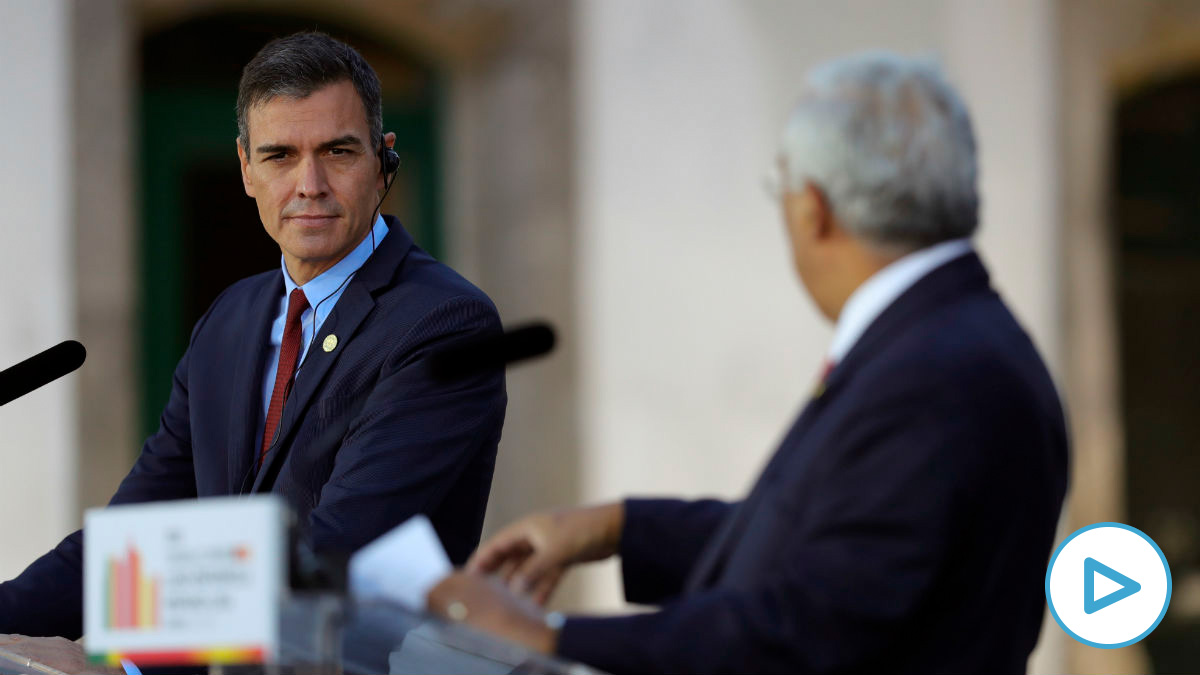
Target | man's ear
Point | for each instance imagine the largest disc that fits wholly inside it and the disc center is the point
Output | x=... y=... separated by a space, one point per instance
x=808 y=214
x=244 y=158
x=820 y=212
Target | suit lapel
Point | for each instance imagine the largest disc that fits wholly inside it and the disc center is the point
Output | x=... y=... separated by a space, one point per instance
x=245 y=401
x=954 y=279
x=352 y=308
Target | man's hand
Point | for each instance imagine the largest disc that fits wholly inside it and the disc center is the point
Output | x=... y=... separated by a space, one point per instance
x=532 y=554
x=487 y=605
x=55 y=652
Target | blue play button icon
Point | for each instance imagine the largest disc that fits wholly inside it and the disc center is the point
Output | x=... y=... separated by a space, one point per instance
x=1092 y=567
x=1090 y=619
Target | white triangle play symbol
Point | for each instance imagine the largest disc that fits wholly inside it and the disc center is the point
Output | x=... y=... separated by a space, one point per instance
x=1104 y=586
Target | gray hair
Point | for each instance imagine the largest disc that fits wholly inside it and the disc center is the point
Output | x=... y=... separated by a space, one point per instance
x=889 y=142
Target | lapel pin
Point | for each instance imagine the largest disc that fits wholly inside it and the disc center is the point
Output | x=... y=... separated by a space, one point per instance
x=330 y=342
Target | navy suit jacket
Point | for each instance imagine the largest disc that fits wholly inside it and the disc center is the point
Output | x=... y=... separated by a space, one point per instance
x=368 y=436
x=904 y=523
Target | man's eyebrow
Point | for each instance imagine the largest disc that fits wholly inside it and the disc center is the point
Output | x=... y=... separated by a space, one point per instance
x=341 y=141
x=271 y=149
x=348 y=139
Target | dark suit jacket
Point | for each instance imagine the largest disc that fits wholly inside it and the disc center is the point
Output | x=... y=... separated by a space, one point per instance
x=904 y=523
x=367 y=439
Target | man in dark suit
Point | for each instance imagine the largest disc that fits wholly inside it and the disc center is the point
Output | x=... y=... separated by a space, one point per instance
x=905 y=521
x=313 y=381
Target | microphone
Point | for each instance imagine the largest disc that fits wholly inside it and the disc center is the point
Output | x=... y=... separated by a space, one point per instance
x=309 y=570
x=40 y=369
x=493 y=351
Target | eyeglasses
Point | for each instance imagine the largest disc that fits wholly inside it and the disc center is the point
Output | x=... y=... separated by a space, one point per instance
x=774 y=180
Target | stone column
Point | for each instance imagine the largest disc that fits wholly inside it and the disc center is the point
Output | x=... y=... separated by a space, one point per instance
x=38 y=433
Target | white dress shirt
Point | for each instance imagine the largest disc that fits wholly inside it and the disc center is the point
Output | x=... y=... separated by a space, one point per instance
x=869 y=300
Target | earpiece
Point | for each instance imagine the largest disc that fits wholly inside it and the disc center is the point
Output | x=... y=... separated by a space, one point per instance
x=389 y=160
x=389 y=163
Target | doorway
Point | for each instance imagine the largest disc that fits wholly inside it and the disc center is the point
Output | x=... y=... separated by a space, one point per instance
x=1157 y=272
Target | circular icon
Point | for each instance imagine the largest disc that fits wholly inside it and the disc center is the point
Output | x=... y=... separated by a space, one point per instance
x=330 y=343
x=1108 y=585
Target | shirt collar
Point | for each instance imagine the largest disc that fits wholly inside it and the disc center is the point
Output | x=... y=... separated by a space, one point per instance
x=869 y=300
x=328 y=282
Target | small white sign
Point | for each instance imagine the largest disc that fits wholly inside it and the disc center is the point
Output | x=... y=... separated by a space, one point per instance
x=192 y=581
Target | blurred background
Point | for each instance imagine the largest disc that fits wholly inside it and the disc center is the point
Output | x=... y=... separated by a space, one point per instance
x=599 y=163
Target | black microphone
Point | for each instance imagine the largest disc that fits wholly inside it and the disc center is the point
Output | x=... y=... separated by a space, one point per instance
x=41 y=369
x=309 y=570
x=493 y=351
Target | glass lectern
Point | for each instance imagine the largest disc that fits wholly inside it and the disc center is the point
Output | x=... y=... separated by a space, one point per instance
x=326 y=634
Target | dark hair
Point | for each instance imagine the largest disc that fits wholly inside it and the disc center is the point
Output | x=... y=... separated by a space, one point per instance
x=299 y=64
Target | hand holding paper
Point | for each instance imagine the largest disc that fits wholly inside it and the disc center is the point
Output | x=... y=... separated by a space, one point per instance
x=532 y=554
x=486 y=604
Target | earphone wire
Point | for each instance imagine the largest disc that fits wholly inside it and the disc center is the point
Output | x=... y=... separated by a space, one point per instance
x=387 y=187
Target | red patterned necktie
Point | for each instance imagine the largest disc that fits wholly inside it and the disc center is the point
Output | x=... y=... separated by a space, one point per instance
x=289 y=352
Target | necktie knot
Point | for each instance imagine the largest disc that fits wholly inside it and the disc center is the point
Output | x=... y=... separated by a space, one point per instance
x=826 y=369
x=297 y=303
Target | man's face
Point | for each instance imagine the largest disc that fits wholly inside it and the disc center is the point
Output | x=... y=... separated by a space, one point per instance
x=796 y=206
x=798 y=221
x=808 y=221
x=311 y=169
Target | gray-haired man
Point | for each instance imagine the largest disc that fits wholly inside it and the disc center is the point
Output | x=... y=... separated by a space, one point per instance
x=905 y=521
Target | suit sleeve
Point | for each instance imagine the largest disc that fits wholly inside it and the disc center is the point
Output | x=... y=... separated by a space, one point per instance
x=845 y=585
x=47 y=598
x=661 y=541
x=407 y=448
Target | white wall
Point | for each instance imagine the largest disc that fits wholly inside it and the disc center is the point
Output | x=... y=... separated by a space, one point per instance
x=700 y=341
x=38 y=432
x=1002 y=54
x=699 y=345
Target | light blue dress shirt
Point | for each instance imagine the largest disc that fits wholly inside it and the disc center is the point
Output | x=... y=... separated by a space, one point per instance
x=323 y=292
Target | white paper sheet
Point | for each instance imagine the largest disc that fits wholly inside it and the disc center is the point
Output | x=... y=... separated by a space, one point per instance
x=402 y=565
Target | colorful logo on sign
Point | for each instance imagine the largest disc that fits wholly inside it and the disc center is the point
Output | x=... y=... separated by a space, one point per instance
x=132 y=597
